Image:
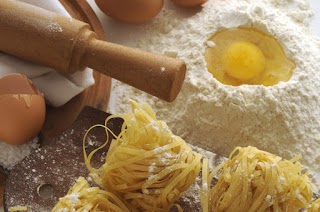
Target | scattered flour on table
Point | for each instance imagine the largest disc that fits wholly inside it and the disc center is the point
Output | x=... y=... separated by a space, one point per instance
x=283 y=119
x=11 y=155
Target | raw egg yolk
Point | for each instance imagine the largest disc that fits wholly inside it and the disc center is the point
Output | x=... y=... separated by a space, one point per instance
x=244 y=60
x=247 y=56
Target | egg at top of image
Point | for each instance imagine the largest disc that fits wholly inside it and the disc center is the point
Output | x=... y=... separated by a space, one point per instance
x=22 y=109
x=131 y=11
x=279 y=114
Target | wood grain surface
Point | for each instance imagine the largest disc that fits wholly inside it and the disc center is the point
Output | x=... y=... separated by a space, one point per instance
x=97 y=96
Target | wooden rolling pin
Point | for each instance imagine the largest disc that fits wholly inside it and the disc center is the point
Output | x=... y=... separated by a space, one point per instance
x=68 y=45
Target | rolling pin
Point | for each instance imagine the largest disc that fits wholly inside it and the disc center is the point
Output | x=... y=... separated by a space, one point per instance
x=68 y=45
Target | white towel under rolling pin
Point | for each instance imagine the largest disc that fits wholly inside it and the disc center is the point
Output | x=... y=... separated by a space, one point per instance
x=58 y=89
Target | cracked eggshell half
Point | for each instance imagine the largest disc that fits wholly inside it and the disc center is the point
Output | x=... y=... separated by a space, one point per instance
x=22 y=109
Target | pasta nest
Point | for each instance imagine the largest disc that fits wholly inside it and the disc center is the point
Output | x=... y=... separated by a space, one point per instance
x=255 y=180
x=81 y=197
x=146 y=165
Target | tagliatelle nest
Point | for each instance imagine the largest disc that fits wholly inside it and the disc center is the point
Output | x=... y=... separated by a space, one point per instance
x=146 y=165
x=81 y=198
x=255 y=180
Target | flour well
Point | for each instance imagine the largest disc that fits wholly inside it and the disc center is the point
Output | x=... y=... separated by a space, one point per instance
x=283 y=119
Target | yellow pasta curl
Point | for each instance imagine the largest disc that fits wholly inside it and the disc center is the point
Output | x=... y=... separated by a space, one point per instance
x=254 y=180
x=18 y=209
x=315 y=207
x=83 y=198
x=146 y=165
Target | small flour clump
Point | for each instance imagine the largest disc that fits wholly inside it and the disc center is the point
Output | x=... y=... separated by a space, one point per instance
x=11 y=155
x=283 y=119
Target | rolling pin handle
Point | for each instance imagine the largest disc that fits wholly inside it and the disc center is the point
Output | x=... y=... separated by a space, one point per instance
x=156 y=74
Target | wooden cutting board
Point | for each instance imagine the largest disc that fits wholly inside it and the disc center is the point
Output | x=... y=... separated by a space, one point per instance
x=97 y=96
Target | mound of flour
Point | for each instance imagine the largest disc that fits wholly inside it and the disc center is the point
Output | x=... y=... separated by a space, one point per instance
x=11 y=155
x=283 y=119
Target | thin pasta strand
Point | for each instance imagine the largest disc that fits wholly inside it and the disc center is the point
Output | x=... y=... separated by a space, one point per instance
x=205 y=185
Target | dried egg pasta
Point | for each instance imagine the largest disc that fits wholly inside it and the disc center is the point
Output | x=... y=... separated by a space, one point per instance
x=83 y=198
x=254 y=180
x=315 y=207
x=18 y=209
x=146 y=165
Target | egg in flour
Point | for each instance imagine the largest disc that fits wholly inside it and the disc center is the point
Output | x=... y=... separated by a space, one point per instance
x=247 y=56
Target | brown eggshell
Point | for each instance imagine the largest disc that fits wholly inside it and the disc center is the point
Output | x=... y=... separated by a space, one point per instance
x=189 y=3
x=22 y=110
x=131 y=11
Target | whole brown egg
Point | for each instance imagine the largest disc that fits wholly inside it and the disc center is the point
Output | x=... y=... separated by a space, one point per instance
x=189 y=3
x=22 y=109
x=131 y=11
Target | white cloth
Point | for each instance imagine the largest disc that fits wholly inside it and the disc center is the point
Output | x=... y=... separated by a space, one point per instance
x=58 y=89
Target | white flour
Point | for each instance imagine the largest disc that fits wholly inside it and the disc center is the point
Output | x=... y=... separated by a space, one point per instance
x=11 y=155
x=283 y=119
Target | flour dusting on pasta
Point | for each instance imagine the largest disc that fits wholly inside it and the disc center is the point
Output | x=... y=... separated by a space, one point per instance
x=147 y=166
